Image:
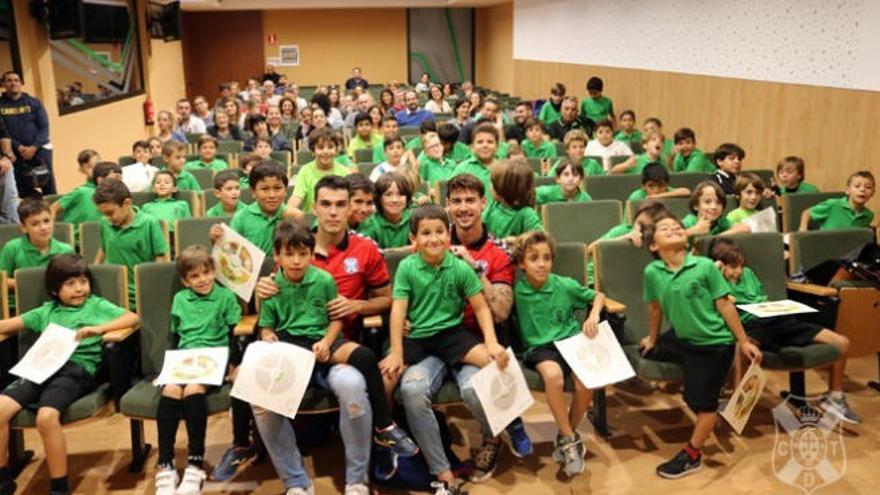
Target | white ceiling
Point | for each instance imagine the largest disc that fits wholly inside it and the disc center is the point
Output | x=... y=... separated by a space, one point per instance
x=328 y=4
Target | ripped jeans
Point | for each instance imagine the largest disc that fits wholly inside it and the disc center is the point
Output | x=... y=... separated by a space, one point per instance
x=355 y=426
x=417 y=387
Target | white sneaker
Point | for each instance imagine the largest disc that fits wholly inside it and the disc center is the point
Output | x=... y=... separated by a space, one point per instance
x=193 y=480
x=301 y=491
x=166 y=481
x=357 y=489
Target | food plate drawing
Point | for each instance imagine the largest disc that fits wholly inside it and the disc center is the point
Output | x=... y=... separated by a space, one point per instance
x=204 y=366
x=48 y=354
x=235 y=262
x=744 y=399
x=598 y=361
x=776 y=308
x=274 y=376
x=238 y=262
x=503 y=394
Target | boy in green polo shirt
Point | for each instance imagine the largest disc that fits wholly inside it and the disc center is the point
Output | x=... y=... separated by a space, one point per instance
x=484 y=145
x=686 y=157
x=627 y=132
x=453 y=149
x=569 y=175
x=389 y=130
x=128 y=235
x=551 y=109
x=655 y=184
x=74 y=307
x=434 y=166
x=790 y=177
x=512 y=213
x=545 y=304
x=850 y=212
x=692 y=295
x=164 y=206
x=749 y=189
x=325 y=147
x=536 y=144
x=575 y=142
x=597 y=107
x=36 y=247
x=207 y=146
x=203 y=314
x=652 y=143
x=227 y=190
x=174 y=154
x=430 y=290
x=365 y=139
x=77 y=206
x=389 y=226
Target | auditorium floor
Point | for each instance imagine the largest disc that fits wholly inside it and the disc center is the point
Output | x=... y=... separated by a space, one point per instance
x=649 y=426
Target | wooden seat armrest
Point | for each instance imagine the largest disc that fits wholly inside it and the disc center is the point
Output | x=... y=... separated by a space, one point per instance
x=374 y=321
x=613 y=306
x=246 y=325
x=119 y=335
x=6 y=336
x=812 y=289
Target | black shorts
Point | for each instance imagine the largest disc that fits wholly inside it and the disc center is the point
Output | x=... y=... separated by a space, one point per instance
x=780 y=331
x=307 y=343
x=450 y=345
x=705 y=368
x=59 y=391
x=546 y=352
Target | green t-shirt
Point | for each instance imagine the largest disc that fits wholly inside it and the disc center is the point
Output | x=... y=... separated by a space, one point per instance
x=141 y=241
x=256 y=226
x=300 y=308
x=413 y=144
x=78 y=207
x=548 y=113
x=747 y=290
x=20 y=253
x=837 y=214
x=437 y=294
x=379 y=153
x=94 y=311
x=218 y=211
x=597 y=109
x=687 y=297
x=552 y=193
x=217 y=165
x=474 y=167
x=695 y=162
x=720 y=226
x=545 y=150
x=803 y=187
x=204 y=321
x=308 y=176
x=168 y=209
x=186 y=181
x=738 y=215
x=386 y=234
x=629 y=139
x=359 y=144
x=431 y=170
x=641 y=162
x=638 y=195
x=503 y=221
x=546 y=314
x=459 y=152
x=591 y=167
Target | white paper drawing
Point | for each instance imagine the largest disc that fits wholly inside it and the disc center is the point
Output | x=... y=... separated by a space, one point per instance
x=238 y=262
x=204 y=366
x=48 y=354
x=744 y=399
x=776 y=308
x=596 y=362
x=504 y=394
x=274 y=376
x=763 y=221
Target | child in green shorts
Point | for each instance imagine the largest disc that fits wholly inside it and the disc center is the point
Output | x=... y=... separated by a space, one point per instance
x=203 y=314
x=174 y=154
x=790 y=177
x=536 y=144
x=165 y=206
x=77 y=206
x=749 y=190
x=512 y=213
x=68 y=282
x=128 y=235
x=692 y=295
x=569 y=176
x=655 y=184
x=389 y=226
x=325 y=145
x=207 y=146
x=544 y=305
x=686 y=157
x=227 y=190
x=850 y=212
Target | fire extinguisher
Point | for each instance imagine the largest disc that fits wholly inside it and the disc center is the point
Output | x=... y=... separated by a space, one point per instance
x=149 y=118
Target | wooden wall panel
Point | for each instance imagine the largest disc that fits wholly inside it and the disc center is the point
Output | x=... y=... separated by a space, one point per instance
x=494 y=47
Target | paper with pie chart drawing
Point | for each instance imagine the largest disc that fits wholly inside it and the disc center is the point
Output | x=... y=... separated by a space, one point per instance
x=274 y=376
x=596 y=362
x=238 y=262
x=48 y=354
x=503 y=394
x=202 y=366
x=744 y=399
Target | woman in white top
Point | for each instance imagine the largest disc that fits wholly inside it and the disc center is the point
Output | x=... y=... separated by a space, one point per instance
x=424 y=83
x=437 y=104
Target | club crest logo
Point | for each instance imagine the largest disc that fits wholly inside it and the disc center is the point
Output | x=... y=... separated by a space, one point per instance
x=350 y=265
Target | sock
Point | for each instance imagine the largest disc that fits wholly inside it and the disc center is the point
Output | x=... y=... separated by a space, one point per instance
x=692 y=451
x=60 y=485
x=241 y=423
x=365 y=361
x=836 y=394
x=167 y=419
x=195 y=414
x=5 y=474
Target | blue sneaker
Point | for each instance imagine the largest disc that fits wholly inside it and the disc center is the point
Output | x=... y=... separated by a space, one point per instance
x=520 y=443
x=231 y=460
x=384 y=464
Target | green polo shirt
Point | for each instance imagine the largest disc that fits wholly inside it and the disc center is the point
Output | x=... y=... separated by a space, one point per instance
x=803 y=187
x=738 y=215
x=697 y=161
x=168 y=209
x=431 y=170
x=459 y=152
x=591 y=167
x=747 y=290
x=359 y=144
x=186 y=181
x=641 y=162
x=837 y=214
x=204 y=321
x=544 y=150
x=503 y=221
x=638 y=195
x=384 y=232
x=78 y=207
x=687 y=297
x=244 y=182
x=553 y=194
x=20 y=253
x=629 y=139
x=474 y=167
x=720 y=226
x=308 y=176
x=300 y=308
x=257 y=226
x=437 y=294
x=217 y=165
x=218 y=211
x=379 y=153
x=597 y=109
x=548 y=114
x=546 y=314
x=413 y=144
x=141 y=241
x=94 y=311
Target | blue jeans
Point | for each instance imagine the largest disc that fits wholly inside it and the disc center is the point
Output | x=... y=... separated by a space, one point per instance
x=9 y=205
x=355 y=426
x=417 y=387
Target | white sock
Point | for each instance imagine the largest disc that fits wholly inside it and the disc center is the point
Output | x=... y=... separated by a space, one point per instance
x=837 y=394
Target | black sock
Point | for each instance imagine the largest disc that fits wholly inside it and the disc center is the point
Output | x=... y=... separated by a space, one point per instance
x=365 y=361
x=5 y=474
x=241 y=423
x=60 y=485
x=167 y=419
x=195 y=414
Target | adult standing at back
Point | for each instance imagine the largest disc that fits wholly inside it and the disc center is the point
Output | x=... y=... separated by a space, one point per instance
x=412 y=115
x=28 y=127
x=271 y=75
x=356 y=81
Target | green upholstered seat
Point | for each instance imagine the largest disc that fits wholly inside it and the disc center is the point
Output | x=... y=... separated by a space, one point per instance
x=581 y=222
x=204 y=176
x=191 y=197
x=363 y=155
x=304 y=156
x=85 y=407
x=688 y=179
x=142 y=400
x=810 y=249
x=191 y=231
x=617 y=187
x=89 y=240
x=229 y=146
x=677 y=206
x=366 y=167
x=793 y=205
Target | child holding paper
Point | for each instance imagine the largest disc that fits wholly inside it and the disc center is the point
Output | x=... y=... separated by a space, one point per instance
x=775 y=332
x=68 y=282
x=202 y=315
x=544 y=309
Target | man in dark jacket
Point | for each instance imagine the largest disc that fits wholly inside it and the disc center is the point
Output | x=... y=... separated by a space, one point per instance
x=28 y=127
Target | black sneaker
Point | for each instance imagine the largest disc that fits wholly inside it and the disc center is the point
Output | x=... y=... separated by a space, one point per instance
x=7 y=487
x=486 y=459
x=681 y=465
x=397 y=441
